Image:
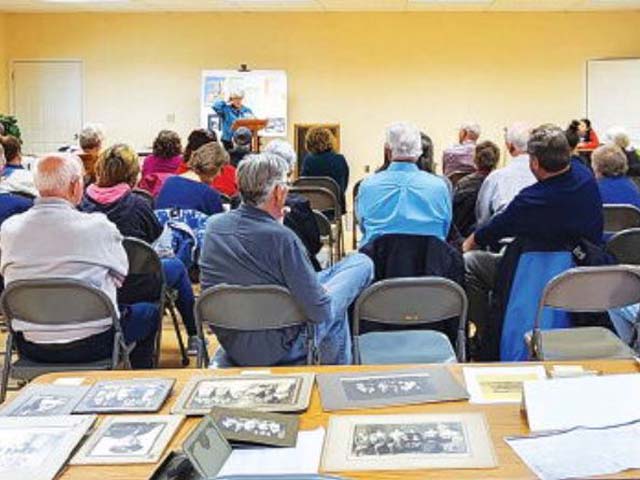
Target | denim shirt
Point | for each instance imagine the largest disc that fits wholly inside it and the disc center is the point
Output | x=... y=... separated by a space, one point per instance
x=248 y=246
x=228 y=115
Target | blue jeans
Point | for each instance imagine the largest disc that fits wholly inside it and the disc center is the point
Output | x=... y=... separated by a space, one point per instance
x=177 y=279
x=624 y=320
x=344 y=282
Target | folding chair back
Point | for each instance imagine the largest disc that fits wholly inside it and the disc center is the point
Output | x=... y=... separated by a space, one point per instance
x=320 y=198
x=250 y=308
x=625 y=246
x=320 y=182
x=586 y=289
x=413 y=301
x=54 y=303
x=620 y=217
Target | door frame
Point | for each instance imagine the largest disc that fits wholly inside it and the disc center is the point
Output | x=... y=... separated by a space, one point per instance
x=12 y=85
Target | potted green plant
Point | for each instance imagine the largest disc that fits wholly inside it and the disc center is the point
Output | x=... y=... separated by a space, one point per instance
x=9 y=126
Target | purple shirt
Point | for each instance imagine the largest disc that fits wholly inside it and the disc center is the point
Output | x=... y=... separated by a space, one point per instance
x=153 y=164
x=459 y=158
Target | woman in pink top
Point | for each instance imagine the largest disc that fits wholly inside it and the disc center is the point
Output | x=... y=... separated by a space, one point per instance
x=167 y=154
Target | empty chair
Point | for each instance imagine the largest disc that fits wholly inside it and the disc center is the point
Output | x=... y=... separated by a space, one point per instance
x=263 y=307
x=620 y=217
x=324 y=200
x=322 y=182
x=585 y=289
x=408 y=302
x=625 y=246
x=48 y=305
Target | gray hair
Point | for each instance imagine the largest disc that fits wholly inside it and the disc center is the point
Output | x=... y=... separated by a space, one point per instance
x=618 y=136
x=609 y=161
x=471 y=128
x=404 y=141
x=517 y=135
x=91 y=136
x=55 y=173
x=284 y=150
x=236 y=93
x=258 y=175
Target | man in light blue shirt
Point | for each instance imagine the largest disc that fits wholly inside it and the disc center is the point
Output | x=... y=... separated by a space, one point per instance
x=403 y=199
x=229 y=112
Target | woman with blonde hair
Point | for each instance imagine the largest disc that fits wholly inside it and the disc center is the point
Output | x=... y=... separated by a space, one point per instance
x=191 y=190
x=323 y=161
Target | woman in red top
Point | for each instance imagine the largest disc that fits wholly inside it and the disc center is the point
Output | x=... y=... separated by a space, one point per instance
x=225 y=181
x=588 y=138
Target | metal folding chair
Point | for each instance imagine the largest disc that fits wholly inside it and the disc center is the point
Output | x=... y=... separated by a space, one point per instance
x=410 y=302
x=324 y=200
x=145 y=282
x=625 y=246
x=263 y=307
x=620 y=217
x=354 y=217
x=320 y=182
x=51 y=303
x=326 y=233
x=585 y=289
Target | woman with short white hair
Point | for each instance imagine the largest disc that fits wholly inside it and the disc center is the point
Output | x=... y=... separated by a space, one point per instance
x=618 y=135
x=610 y=167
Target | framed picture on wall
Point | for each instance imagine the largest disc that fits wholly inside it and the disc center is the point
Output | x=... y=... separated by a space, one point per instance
x=300 y=133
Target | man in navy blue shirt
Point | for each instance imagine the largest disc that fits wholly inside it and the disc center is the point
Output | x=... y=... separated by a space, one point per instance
x=564 y=206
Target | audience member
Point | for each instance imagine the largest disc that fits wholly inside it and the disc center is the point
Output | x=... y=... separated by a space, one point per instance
x=77 y=246
x=90 y=140
x=323 y=160
x=10 y=203
x=241 y=145
x=466 y=191
x=225 y=181
x=619 y=136
x=229 y=112
x=573 y=137
x=14 y=178
x=564 y=206
x=502 y=185
x=191 y=190
x=403 y=199
x=299 y=217
x=459 y=157
x=117 y=171
x=588 y=137
x=610 y=167
x=250 y=246
x=12 y=155
x=166 y=156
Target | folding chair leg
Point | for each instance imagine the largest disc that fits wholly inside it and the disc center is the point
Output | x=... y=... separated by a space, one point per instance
x=6 y=367
x=176 y=327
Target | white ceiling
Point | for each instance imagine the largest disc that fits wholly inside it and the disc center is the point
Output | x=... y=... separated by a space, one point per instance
x=312 y=5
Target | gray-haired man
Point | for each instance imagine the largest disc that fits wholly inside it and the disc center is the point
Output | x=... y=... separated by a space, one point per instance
x=250 y=246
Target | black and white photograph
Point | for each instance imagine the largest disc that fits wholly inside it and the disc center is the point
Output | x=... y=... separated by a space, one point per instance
x=246 y=426
x=136 y=395
x=207 y=448
x=409 y=439
x=129 y=439
x=270 y=393
x=344 y=391
x=37 y=448
x=407 y=442
x=45 y=400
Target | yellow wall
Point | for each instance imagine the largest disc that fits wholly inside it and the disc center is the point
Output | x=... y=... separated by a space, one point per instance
x=362 y=70
x=4 y=94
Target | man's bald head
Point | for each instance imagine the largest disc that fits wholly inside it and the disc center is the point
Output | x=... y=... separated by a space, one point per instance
x=60 y=176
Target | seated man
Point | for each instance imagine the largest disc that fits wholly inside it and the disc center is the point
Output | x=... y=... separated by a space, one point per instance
x=503 y=184
x=14 y=178
x=54 y=240
x=459 y=157
x=250 y=246
x=11 y=204
x=403 y=199
x=564 y=206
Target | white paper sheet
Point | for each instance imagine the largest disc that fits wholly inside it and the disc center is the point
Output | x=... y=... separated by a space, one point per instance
x=499 y=384
x=69 y=381
x=304 y=458
x=580 y=453
x=598 y=401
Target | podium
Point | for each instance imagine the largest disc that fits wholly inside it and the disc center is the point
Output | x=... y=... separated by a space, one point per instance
x=253 y=124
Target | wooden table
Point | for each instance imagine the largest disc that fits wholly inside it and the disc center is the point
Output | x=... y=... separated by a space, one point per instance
x=504 y=420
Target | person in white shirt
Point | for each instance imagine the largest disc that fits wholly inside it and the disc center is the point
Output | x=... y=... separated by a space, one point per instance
x=54 y=240
x=502 y=185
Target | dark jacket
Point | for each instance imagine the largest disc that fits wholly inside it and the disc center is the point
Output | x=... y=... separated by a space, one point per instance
x=634 y=163
x=302 y=221
x=328 y=164
x=397 y=256
x=131 y=214
x=464 y=203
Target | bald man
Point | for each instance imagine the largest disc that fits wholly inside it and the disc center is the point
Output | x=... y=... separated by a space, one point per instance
x=54 y=240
